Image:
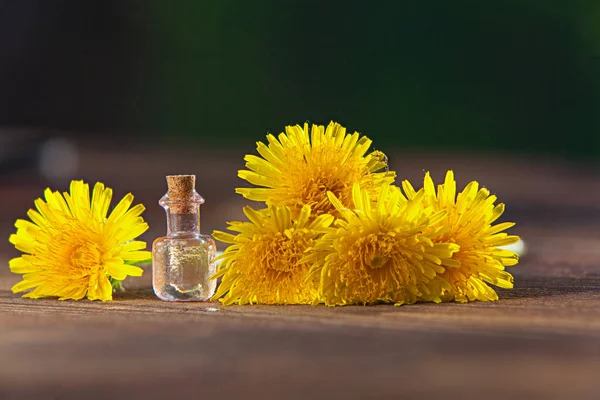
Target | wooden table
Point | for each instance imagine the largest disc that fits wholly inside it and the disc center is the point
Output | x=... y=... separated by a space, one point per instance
x=541 y=340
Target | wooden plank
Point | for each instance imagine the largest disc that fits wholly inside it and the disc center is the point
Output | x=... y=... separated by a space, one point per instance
x=541 y=340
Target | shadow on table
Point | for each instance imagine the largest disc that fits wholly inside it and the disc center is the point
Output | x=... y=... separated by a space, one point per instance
x=543 y=286
x=525 y=287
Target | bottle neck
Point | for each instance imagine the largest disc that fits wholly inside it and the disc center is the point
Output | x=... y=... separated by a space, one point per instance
x=184 y=225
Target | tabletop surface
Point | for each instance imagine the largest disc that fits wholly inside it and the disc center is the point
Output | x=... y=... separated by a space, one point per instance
x=540 y=340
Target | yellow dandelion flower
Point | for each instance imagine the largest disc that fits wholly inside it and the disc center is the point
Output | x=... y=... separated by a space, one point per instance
x=468 y=223
x=71 y=249
x=261 y=266
x=379 y=251
x=298 y=169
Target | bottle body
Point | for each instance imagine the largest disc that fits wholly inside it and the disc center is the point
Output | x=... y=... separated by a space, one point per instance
x=182 y=267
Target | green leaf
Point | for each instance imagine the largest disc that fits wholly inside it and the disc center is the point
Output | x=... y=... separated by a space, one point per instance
x=116 y=284
x=138 y=262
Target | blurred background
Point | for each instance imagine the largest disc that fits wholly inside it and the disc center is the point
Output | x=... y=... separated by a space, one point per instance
x=128 y=91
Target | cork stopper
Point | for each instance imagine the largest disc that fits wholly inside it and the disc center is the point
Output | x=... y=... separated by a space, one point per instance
x=181 y=193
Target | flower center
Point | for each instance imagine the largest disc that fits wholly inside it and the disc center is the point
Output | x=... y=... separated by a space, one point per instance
x=85 y=256
x=81 y=249
x=283 y=253
x=373 y=251
x=325 y=168
x=377 y=261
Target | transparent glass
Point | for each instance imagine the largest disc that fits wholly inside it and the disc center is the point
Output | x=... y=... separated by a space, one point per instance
x=183 y=261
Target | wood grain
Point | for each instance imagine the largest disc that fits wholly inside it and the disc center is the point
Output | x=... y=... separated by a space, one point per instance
x=541 y=340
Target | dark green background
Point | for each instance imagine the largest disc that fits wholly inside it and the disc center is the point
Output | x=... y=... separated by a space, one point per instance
x=499 y=75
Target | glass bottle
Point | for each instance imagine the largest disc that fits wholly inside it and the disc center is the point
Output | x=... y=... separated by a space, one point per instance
x=183 y=261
